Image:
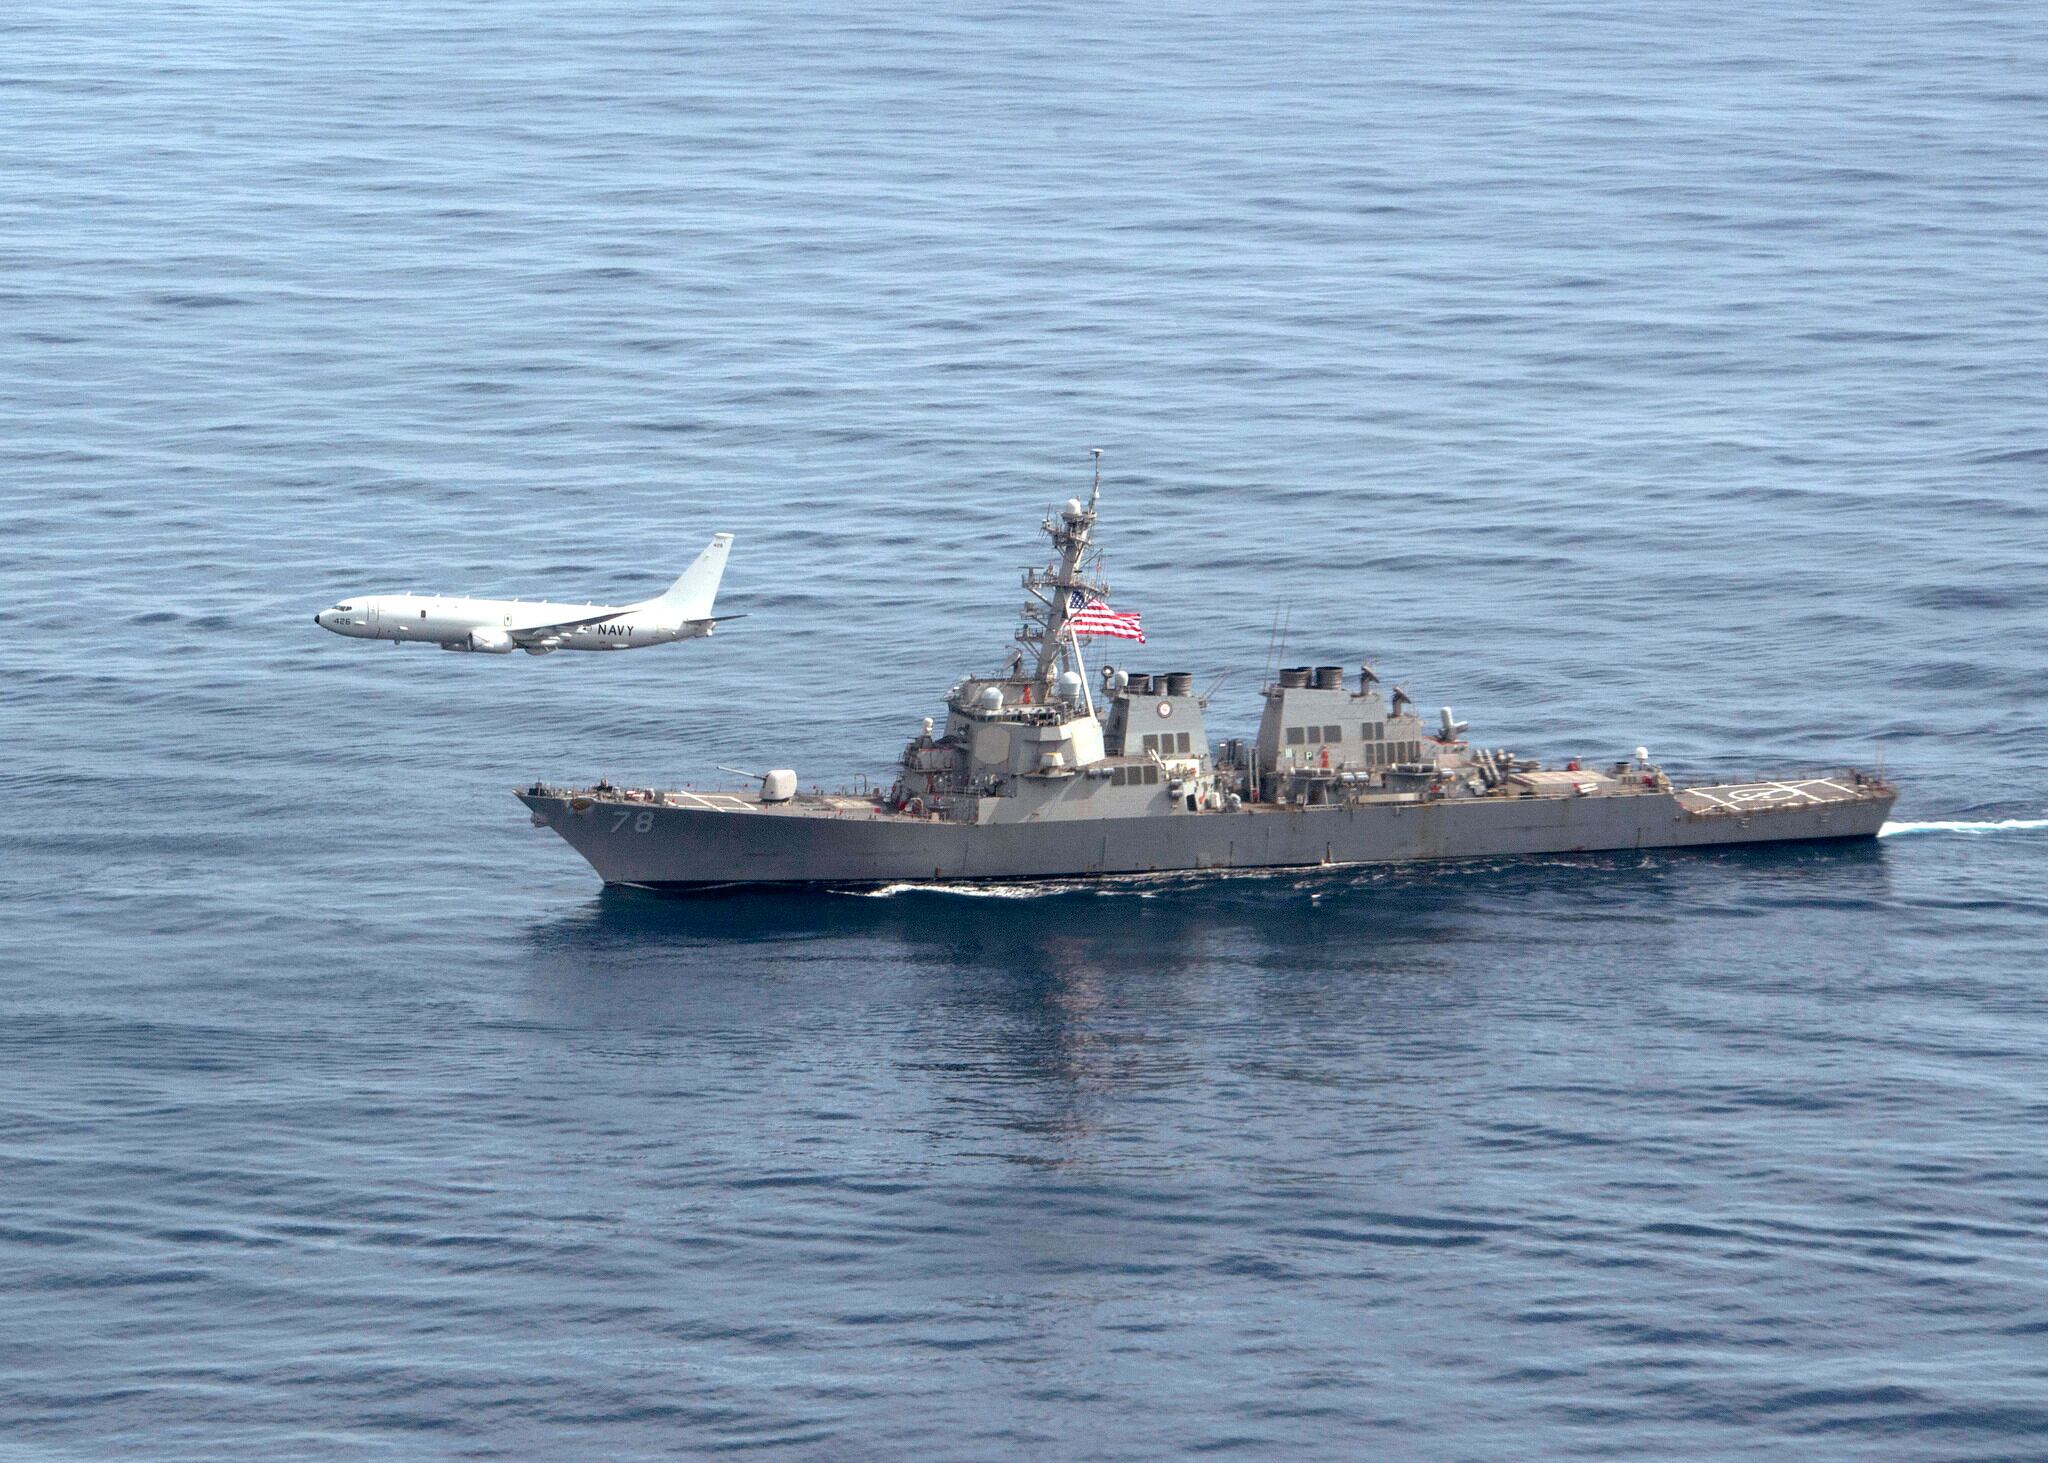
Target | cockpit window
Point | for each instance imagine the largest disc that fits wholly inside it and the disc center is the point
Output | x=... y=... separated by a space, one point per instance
x=344 y=609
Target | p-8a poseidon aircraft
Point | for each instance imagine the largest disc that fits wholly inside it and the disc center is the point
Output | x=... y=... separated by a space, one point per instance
x=501 y=626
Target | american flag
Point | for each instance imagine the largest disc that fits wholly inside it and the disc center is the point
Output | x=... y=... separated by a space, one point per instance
x=1087 y=616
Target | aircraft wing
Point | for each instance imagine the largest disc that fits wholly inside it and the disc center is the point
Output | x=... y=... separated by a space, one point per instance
x=524 y=634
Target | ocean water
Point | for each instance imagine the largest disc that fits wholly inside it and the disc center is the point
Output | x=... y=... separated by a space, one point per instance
x=1616 y=374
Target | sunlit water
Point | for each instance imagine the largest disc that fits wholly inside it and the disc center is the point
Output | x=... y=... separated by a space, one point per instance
x=1613 y=376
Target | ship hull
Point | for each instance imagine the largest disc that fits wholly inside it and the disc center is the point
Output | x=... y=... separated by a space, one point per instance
x=660 y=845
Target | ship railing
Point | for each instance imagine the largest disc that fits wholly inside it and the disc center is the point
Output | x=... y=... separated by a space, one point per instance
x=1854 y=777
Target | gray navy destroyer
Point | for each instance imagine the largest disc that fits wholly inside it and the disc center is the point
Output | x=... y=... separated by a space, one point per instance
x=1044 y=772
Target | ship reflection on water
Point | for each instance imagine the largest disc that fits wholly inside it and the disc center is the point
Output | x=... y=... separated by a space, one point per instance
x=1124 y=1112
x=1094 y=996
x=1020 y=927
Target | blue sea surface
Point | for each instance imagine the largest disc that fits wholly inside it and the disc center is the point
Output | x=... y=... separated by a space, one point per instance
x=1617 y=374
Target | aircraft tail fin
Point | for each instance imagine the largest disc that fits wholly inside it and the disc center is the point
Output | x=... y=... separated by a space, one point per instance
x=691 y=595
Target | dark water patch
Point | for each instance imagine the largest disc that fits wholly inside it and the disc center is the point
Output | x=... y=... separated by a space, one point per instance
x=1952 y=597
x=198 y=301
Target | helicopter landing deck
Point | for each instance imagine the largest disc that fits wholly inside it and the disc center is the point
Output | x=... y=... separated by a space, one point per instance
x=1742 y=798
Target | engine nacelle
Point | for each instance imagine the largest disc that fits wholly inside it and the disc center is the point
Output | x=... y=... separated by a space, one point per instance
x=485 y=641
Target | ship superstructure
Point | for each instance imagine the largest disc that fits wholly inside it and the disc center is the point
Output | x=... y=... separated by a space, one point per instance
x=1046 y=771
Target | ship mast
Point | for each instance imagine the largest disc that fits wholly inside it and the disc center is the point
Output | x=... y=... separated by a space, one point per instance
x=1069 y=581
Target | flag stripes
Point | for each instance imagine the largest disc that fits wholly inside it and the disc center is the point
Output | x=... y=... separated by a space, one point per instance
x=1093 y=617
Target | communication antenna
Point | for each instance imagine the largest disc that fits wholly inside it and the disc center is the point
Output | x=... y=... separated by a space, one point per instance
x=1095 y=493
x=1276 y=639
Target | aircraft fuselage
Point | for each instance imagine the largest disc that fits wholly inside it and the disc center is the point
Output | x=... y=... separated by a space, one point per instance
x=500 y=624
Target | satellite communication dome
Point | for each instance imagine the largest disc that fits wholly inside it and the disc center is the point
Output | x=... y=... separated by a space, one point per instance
x=990 y=699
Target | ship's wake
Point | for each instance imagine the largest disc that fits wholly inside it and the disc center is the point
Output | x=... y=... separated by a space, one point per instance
x=1150 y=885
x=1964 y=825
x=1142 y=884
x=967 y=891
x=1313 y=878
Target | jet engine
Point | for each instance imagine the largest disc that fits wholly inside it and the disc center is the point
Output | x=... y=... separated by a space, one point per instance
x=485 y=640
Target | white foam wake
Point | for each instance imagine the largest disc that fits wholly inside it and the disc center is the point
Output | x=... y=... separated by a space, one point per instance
x=964 y=891
x=1998 y=825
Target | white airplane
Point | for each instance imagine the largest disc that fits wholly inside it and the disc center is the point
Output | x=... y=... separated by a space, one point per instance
x=501 y=626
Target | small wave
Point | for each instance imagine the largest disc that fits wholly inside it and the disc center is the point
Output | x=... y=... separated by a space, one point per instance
x=1958 y=825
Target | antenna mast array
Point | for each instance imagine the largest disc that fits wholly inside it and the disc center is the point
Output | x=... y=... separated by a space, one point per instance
x=1074 y=570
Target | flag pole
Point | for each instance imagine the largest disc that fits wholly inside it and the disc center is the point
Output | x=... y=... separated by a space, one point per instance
x=1081 y=669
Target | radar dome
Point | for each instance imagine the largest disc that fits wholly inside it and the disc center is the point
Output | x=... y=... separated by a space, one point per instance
x=990 y=699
